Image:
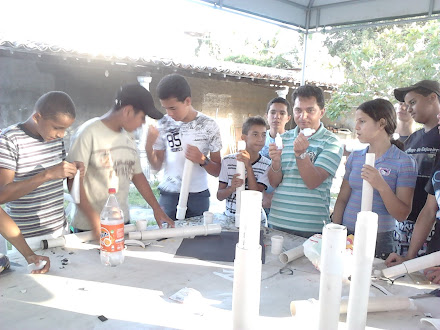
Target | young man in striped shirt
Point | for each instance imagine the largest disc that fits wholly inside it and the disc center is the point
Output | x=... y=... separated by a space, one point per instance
x=32 y=168
x=302 y=172
x=256 y=165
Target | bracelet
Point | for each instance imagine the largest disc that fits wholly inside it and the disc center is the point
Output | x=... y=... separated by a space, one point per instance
x=271 y=167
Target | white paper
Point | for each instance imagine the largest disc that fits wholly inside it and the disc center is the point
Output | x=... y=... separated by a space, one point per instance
x=74 y=192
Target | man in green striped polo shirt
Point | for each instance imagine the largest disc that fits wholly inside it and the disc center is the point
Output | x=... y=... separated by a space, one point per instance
x=303 y=170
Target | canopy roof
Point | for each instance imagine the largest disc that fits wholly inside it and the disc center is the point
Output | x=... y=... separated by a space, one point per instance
x=314 y=14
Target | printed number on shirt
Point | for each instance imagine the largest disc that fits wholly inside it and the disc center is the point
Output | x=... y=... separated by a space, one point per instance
x=174 y=142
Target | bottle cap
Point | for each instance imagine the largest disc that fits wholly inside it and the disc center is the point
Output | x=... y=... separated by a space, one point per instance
x=111 y=190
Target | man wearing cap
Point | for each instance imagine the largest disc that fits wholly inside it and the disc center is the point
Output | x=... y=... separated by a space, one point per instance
x=111 y=158
x=423 y=100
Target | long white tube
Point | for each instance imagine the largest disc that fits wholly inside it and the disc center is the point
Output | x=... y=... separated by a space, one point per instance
x=185 y=231
x=413 y=265
x=367 y=189
x=74 y=192
x=292 y=254
x=310 y=307
x=247 y=265
x=363 y=256
x=334 y=239
x=84 y=236
x=249 y=233
x=184 y=189
x=240 y=169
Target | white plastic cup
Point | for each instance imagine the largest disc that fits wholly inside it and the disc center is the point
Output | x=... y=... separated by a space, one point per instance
x=277 y=244
x=141 y=225
x=208 y=218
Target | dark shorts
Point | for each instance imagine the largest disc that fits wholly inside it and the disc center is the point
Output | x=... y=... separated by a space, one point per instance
x=197 y=203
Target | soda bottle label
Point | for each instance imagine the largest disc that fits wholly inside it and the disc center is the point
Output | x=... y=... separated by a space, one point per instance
x=112 y=237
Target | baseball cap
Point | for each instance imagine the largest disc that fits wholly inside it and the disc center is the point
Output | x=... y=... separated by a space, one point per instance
x=138 y=97
x=431 y=85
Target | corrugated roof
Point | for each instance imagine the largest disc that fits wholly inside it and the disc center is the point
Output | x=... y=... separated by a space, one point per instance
x=212 y=66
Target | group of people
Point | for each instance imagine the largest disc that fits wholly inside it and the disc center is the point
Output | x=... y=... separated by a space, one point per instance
x=295 y=179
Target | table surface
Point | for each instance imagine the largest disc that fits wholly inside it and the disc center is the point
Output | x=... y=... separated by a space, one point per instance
x=135 y=295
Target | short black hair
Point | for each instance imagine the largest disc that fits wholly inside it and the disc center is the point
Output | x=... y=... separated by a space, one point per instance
x=53 y=103
x=173 y=85
x=280 y=100
x=308 y=91
x=252 y=121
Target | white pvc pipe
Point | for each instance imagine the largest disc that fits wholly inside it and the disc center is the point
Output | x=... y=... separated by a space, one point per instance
x=413 y=265
x=249 y=233
x=247 y=265
x=246 y=288
x=240 y=169
x=310 y=307
x=84 y=236
x=367 y=189
x=184 y=189
x=185 y=231
x=363 y=256
x=74 y=192
x=292 y=254
x=334 y=239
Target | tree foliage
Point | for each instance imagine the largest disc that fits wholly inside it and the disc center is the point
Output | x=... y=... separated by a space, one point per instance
x=377 y=60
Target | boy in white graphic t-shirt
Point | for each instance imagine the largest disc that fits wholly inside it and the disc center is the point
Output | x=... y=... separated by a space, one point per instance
x=184 y=133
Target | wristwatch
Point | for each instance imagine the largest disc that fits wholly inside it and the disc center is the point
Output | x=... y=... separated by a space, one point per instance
x=302 y=156
x=206 y=162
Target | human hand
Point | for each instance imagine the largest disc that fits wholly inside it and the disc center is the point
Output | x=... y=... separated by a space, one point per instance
x=373 y=177
x=236 y=182
x=82 y=169
x=274 y=152
x=394 y=259
x=300 y=144
x=433 y=274
x=162 y=218
x=61 y=171
x=245 y=157
x=36 y=259
x=152 y=135
x=194 y=154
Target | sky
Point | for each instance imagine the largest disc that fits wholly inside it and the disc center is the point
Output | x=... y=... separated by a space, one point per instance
x=142 y=28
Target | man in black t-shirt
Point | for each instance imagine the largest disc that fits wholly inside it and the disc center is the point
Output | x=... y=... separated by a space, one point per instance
x=429 y=215
x=423 y=100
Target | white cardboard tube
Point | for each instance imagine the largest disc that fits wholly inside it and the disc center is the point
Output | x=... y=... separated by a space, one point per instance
x=367 y=189
x=240 y=169
x=249 y=234
x=74 y=192
x=84 y=236
x=413 y=265
x=184 y=189
x=334 y=239
x=292 y=254
x=375 y=304
x=363 y=256
x=186 y=231
x=246 y=288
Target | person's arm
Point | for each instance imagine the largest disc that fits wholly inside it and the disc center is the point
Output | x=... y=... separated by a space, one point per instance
x=142 y=185
x=422 y=228
x=398 y=204
x=214 y=164
x=224 y=191
x=155 y=157
x=341 y=202
x=275 y=173
x=10 y=190
x=312 y=175
x=10 y=230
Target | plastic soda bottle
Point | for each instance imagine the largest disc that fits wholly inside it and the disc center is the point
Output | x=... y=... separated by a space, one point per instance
x=112 y=232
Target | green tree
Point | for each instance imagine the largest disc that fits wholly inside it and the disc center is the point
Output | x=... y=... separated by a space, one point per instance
x=379 y=59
